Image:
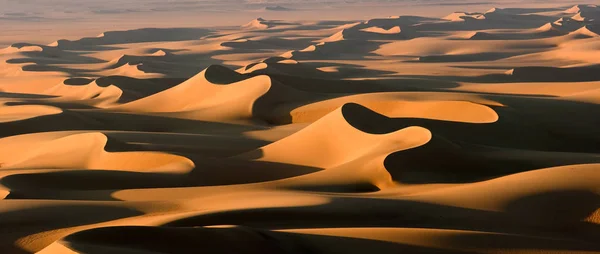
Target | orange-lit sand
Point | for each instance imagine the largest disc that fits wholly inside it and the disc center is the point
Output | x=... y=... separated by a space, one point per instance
x=472 y=131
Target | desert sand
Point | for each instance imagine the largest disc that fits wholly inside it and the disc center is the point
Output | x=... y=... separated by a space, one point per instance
x=473 y=130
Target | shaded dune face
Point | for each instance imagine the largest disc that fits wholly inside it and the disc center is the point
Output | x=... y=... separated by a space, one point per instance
x=475 y=132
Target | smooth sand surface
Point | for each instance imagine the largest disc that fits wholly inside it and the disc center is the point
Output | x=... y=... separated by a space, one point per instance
x=462 y=127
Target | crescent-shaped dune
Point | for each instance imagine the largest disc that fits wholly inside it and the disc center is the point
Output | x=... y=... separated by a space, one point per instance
x=323 y=145
x=208 y=95
x=407 y=107
x=201 y=91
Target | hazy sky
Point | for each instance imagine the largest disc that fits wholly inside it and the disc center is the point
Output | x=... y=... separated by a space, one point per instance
x=43 y=21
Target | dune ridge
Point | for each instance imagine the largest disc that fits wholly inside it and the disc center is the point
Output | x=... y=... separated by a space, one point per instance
x=214 y=88
x=83 y=150
x=364 y=140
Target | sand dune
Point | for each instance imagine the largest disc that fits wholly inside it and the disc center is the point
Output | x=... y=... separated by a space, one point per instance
x=59 y=150
x=209 y=83
x=546 y=186
x=258 y=23
x=403 y=105
x=256 y=95
x=587 y=31
x=22 y=112
x=468 y=130
x=328 y=134
x=463 y=16
x=567 y=24
x=375 y=29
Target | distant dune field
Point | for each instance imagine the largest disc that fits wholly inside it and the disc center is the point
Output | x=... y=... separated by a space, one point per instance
x=299 y=127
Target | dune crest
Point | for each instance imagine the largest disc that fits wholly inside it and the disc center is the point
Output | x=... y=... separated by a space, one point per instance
x=463 y=16
x=23 y=112
x=21 y=47
x=478 y=36
x=585 y=32
x=447 y=110
x=581 y=8
x=343 y=135
x=87 y=94
x=159 y=52
x=82 y=151
x=379 y=30
x=550 y=190
x=201 y=94
x=258 y=23
x=208 y=95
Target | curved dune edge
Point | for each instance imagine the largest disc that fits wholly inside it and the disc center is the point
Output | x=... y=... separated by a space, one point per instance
x=341 y=143
x=276 y=67
x=350 y=144
x=548 y=28
x=222 y=95
x=89 y=94
x=362 y=174
x=585 y=32
x=334 y=140
x=3 y=193
x=130 y=70
x=81 y=150
x=23 y=112
x=374 y=29
x=160 y=52
x=594 y=217
x=379 y=30
x=475 y=49
x=403 y=105
x=216 y=93
x=478 y=35
x=21 y=48
x=57 y=247
x=255 y=67
x=354 y=240
x=132 y=66
x=258 y=23
x=120 y=61
x=550 y=190
x=339 y=36
x=462 y=16
x=102 y=214
x=559 y=89
x=443 y=239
